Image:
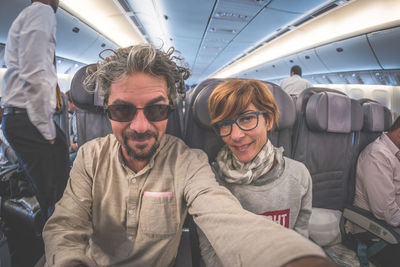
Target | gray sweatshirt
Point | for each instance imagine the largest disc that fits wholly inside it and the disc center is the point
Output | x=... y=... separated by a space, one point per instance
x=282 y=194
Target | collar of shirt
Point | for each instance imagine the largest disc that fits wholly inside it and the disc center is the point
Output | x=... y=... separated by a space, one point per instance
x=389 y=143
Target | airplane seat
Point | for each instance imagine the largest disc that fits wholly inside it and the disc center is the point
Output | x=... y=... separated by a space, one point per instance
x=92 y=122
x=377 y=119
x=91 y=118
x=199 y=133
x=323 y=140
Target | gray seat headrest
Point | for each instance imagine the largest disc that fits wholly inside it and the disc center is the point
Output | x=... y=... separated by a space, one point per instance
x=287 y=112
x=374 y=117
x=329 y=112
x=80 y=96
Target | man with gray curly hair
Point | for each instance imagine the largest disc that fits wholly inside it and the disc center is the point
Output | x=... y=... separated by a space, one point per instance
x=129 y=192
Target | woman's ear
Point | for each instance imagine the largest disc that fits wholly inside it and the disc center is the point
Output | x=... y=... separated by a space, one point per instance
x=270 y=124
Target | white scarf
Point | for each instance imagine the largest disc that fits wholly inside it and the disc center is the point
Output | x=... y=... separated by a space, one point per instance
x=231 y=170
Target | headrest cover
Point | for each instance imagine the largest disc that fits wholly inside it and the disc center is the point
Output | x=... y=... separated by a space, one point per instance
x=374 y=117
x=200 y=105
x=287 y=112
x=286 y=107
x=329 y=112
x=80 y=96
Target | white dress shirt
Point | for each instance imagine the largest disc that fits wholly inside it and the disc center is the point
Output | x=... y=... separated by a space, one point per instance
x=31 y=78
x=378 y=180
x=294 y=84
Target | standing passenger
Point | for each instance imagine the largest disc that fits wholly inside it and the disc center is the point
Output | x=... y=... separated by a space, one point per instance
x=129 y=192
x=29 y=96
x=258 y=175
x=295 y=84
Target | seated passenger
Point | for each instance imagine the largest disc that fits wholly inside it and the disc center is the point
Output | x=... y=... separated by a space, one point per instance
x=129 y=192
x=378 y=184
x=258 y=175
x=73 y=136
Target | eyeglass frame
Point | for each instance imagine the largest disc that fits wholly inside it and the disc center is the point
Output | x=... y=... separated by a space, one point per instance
x=171 y=108
x=234 y=121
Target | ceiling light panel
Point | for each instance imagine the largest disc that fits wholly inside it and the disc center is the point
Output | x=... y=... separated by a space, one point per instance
x=105 y=17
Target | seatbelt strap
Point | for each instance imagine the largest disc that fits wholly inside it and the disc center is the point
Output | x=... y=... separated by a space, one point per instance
x=362 y=254
x=375 y=248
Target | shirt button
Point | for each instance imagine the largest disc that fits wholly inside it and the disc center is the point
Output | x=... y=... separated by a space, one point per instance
x=133 y=180
x=130 y=237
x=131 y=212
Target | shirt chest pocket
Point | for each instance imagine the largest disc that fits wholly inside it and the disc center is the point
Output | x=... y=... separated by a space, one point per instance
x=158 y=216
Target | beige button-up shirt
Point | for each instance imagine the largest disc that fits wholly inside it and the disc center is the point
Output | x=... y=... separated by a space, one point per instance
x=112 y=216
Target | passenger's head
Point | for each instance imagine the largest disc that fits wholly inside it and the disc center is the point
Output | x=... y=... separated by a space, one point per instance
x=295 y=70
x=252 y=106
x=143 y=58
x=394 y=132
x=71 y=106
x=139 y=84
x=52 y=3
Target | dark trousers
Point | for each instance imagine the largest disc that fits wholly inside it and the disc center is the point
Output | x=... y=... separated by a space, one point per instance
x=46 y=165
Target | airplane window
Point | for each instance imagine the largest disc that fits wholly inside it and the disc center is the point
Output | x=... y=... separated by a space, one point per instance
x=382 y=97
x=356 y=93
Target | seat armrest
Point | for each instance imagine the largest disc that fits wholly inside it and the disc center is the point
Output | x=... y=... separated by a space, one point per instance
x=367 y=221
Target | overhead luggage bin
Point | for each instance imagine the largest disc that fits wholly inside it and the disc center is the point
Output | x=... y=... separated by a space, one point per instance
x=386 y=45
x=347 y=55
x=310 y=63
x=73 y=33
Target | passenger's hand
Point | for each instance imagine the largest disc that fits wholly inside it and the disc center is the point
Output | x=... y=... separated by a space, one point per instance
x=310 y=261
x=52 y=141
x=74 y=146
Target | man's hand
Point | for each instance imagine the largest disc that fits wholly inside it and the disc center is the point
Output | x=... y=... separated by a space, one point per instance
x=311 y=261
x=52 y=141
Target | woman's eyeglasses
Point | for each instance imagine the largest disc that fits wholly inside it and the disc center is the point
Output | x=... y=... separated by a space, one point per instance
x=246 y=122
x=127 y=112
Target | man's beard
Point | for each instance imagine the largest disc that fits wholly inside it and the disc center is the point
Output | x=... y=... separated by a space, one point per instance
x=137 y=155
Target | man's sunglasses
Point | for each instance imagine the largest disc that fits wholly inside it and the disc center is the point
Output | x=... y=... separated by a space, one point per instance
x=127 y=112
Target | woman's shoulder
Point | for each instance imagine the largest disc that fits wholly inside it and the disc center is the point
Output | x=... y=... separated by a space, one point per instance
x=297 y=170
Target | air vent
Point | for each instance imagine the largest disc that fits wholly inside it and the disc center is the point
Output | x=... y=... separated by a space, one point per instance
x=125 y=5
x=282 y=32
x=325 y=9
x=218 y=30
x=304 y=20
x=138 y=25
x=231 y=16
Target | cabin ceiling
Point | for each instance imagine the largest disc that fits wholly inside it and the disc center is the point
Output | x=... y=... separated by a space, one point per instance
x=208 y=33
x=211 y=34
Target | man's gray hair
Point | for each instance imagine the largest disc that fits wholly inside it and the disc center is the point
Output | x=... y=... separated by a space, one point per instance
x=139 y=58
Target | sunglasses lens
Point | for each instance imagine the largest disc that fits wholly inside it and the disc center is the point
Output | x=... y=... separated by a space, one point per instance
x=157 y=112
x=122 y=113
